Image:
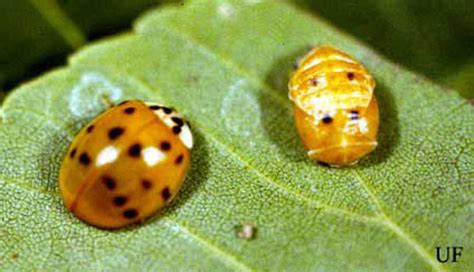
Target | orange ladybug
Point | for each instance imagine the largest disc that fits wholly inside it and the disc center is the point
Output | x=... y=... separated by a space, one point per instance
x=335 y=108
x=126 y=164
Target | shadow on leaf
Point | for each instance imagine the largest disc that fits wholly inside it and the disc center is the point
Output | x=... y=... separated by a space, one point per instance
x=277 y=117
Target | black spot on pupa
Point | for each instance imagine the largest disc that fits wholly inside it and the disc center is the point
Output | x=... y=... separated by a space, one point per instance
x=154 y=107
x=129 y=110
x=134 y=150
x=109 y=182
x=84 y=159
x=179 y=159
x=73 y=153
x=165 y=193
x=146 y=184
x=354 y=115
x=90 y=128
x=115 y=132
x=119 y=201
x=176 y=129
x=167 y=110
x=165 y=146
x=314 y=82
x=178 y=121
x=130 y=213
x=327 y=119
x=350 y=76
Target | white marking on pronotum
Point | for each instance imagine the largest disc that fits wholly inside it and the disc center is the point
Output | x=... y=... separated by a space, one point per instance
x=152 y=155
x=107 y=155
x=159 y=112
x=185 y=135
x=86 y=96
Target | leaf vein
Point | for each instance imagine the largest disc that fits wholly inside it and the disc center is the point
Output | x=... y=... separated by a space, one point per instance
x=392 y=226
x=217 y=250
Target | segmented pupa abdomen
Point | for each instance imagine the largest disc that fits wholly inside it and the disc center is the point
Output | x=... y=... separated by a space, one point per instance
x=327 y=80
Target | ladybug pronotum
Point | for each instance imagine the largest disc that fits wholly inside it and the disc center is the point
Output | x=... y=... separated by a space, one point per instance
x=126 y=164
x=336 y=112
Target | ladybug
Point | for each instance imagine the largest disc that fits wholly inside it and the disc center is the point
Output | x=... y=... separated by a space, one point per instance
x=126 y=164
x=335 y=109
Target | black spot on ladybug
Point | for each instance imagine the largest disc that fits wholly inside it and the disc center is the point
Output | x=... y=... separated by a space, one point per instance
x=179 y=159
x=154 y=107
x=165 y=146
x=165 y=193
x=167 y=110
x=176 y=129
x=123 y=102
x=134 y=150
x=324 y=164
x=129 y=110
x=119 y=201
x=327 y=119
x=178 y=121
x=130 y=213
x=73 y=153
x=90 y=128
x=146 y=184
x=314 y=82
x=84 y=159
x=109 y=182
x=115 y=132
x=354 y=115
x=350 y=76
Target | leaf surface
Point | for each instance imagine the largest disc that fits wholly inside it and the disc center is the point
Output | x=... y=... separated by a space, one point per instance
x=224 y=65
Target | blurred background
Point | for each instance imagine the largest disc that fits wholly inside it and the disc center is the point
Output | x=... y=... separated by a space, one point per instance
x=434 y=38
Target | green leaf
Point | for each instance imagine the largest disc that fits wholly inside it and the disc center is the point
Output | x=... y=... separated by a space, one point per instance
x=224 y=65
